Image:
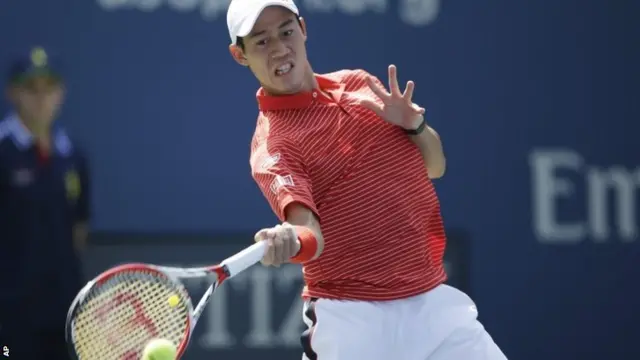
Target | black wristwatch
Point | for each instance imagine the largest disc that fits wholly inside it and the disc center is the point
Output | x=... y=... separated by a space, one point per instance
x=417 y=131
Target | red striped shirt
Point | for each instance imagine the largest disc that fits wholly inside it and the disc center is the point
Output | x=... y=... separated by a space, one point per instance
x=364 y=179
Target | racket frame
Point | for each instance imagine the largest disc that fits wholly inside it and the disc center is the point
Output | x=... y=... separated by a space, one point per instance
x=223 y=271
x=82 y=298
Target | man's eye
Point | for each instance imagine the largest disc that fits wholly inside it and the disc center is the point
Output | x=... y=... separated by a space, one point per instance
x=288 y=33
x=261 y=42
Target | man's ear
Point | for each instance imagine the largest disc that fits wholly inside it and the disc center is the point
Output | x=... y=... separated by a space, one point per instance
x=303 y=26
x=238 y=55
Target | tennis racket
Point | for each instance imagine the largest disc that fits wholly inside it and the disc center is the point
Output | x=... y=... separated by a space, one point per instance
x=115 y=315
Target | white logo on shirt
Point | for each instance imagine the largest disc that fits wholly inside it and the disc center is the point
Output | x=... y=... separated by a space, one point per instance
x=270 y=161
x=280 y=182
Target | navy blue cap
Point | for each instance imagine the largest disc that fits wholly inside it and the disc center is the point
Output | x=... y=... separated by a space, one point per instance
x=36 y=63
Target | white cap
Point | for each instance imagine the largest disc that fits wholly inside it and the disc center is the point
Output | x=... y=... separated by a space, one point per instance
x=243 y=14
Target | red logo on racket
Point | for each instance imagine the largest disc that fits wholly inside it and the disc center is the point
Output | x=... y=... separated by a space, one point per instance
x=138 y=320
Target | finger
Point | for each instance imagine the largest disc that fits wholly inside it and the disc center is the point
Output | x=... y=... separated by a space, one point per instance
x=372 y=105
x=393 y=81
x=377 y=89
x=418 y=109
x=268 y=257
x=408 y=91
x=260 y=235
x=278 y=243
x=292 y=246
x=269 y=236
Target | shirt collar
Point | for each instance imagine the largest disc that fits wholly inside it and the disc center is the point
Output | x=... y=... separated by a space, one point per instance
x=23 y=138
x=300 y=100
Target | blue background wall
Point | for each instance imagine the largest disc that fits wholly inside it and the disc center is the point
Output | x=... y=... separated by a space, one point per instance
x=536 y=102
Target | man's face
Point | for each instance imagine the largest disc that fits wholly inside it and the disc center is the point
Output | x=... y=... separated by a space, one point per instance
x=275 y=51
x=38 y=98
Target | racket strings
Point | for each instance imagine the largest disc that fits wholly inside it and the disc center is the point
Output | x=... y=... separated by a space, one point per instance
x=119 y=317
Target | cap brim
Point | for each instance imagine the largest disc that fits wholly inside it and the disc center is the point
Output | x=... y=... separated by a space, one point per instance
x=250 y=20
x=35 y=73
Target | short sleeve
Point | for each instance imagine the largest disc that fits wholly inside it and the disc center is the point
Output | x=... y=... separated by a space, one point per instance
x=279 y=170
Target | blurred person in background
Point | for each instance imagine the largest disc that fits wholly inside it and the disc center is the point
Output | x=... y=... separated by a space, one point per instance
x=44 y=212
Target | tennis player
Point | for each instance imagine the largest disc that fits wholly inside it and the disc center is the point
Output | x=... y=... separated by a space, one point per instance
x=347 y=166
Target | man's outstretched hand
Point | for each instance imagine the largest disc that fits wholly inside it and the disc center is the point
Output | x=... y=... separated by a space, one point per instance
x=397 y=108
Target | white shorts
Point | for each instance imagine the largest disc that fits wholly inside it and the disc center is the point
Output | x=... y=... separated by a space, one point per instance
x=438 y=325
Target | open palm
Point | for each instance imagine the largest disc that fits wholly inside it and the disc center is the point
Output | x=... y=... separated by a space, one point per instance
x=397 y=108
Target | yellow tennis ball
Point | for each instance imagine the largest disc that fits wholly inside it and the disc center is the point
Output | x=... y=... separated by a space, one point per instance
x=160 y=349
x=174 y=300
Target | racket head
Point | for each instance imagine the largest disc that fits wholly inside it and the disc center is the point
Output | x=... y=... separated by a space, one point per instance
x=117 y=313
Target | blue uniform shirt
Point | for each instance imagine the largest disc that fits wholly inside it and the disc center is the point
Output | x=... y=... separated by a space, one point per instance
x=40 y=201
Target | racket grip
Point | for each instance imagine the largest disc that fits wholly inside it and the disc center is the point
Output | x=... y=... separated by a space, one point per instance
x=245 y=258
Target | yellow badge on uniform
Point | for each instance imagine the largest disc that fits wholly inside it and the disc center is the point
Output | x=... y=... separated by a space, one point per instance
x=72 y=185
x=38 y=57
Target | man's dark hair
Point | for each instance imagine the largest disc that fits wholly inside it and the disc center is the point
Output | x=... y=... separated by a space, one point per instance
x=240 y=43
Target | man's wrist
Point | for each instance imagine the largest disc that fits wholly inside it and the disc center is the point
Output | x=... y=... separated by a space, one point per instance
x=420 y=126
x=308 y=245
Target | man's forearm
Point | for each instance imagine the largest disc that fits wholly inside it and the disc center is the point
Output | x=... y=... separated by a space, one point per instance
x=430 y=147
